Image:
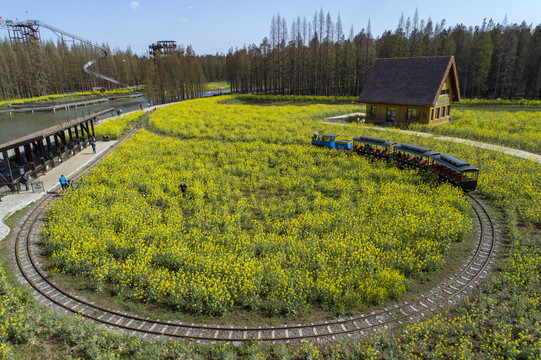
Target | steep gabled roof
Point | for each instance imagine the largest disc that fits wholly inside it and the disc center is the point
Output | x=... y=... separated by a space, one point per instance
x=410 y=81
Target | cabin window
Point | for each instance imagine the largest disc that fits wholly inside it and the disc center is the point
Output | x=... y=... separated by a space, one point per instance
x=412 y=114
x=391 y=114
x=373 y=111
x=432 y=114
x=437 y=113
x=444 y=92
x=443 y=111
x=448 y=110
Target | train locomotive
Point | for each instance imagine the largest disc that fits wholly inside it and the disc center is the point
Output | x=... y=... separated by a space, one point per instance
x=448 y=168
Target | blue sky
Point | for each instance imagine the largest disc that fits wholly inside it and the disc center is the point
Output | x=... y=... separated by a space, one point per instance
x=212 y=26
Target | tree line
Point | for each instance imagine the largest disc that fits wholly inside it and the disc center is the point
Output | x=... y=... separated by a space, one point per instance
x=174 y=76
x=309 y=57
x=33 y=69
x=494 y=60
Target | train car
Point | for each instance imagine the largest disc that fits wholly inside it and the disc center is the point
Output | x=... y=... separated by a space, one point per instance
x=448 y=168
x=455 y=171
x=414 y=156
x=344 y=144
x=329 y=141
x=373 y=146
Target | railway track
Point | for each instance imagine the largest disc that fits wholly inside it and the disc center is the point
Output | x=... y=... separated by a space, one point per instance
x=27 y=249
x=463 y=281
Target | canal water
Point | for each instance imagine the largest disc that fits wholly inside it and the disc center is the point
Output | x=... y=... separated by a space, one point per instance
x=21 y=124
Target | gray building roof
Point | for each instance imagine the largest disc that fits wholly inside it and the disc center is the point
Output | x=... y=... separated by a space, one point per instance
x=410 y=81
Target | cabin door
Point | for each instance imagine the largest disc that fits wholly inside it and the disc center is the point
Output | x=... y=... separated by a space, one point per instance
x=391 y=114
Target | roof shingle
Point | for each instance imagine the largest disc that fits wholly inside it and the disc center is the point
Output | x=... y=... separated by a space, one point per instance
x=409 y=81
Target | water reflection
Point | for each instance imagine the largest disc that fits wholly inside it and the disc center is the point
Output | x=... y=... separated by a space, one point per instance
x=21 y=124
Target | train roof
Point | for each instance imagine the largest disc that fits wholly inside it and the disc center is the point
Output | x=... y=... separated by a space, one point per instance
x=415 y=150
x=454 y=163
x=330 y=135
x=374 y=141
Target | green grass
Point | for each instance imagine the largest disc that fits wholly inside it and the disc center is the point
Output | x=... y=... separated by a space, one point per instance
x=217 y=86
x=499 y=105
x=291 y=99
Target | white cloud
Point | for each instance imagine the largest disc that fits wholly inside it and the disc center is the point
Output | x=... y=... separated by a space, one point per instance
x=183 y=20
x=190 y=7
x=134 y=5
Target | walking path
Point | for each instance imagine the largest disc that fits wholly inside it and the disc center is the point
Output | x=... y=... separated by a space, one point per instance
x=506 y=150
x=15 y=202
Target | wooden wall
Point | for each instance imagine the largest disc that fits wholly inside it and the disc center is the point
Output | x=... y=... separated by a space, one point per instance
x=425 y=114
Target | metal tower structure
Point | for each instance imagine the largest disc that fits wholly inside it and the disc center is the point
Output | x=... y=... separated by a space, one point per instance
x=20 y=32
x=164 y=47
x=27 y=32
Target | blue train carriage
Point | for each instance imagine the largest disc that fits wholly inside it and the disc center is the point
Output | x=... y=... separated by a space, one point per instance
x=414 y=156
x=329 y=141
x=457 y=172
x=373 y=146
x=344 y=144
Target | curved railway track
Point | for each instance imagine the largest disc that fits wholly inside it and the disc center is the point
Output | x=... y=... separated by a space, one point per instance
x=26 y=247
x=30 y=271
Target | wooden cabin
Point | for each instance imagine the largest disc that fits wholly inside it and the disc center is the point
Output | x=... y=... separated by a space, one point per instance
x=407 y=90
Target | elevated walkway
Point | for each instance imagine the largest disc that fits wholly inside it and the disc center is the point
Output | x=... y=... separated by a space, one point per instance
x=47 y=183
x=43 y=150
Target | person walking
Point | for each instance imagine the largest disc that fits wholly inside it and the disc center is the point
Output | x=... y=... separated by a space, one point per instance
x=183 y=188
x=93 y=144
x=63 y=182
x=24 y=181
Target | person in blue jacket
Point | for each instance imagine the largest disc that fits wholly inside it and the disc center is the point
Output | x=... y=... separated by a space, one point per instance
x=63 y=182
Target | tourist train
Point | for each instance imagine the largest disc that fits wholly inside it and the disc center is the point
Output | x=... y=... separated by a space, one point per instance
x=448 y=168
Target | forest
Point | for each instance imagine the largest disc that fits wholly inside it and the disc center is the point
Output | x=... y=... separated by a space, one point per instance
x=307 y=57
x=316 y=57
x=30 y=70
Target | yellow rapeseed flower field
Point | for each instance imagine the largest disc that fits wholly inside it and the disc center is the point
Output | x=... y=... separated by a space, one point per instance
x=117 y=126
x=269 y=222
x=515 y=129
